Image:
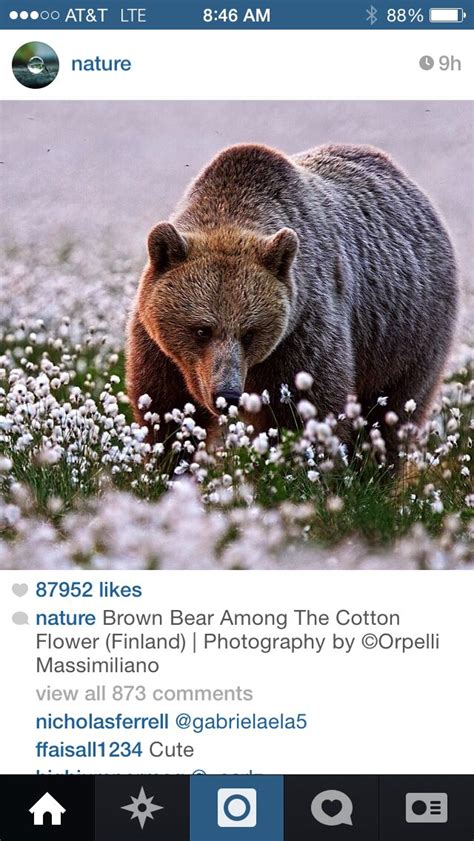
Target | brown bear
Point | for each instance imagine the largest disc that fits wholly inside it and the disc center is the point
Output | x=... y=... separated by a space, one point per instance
x=331 y=261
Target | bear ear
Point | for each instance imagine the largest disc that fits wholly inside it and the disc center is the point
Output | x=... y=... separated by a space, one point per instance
x=166 y=247
x=279 y=252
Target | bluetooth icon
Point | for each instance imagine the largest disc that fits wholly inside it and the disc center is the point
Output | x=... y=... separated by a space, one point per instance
x=372 y=15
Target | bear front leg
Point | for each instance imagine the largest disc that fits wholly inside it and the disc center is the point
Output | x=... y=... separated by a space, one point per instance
x=150 y=371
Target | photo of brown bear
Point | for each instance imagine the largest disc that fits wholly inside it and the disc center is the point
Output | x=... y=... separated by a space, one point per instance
x=331 y=262
x=221 y=352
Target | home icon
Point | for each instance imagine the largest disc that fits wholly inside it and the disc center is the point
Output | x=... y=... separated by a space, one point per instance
x=47 y=805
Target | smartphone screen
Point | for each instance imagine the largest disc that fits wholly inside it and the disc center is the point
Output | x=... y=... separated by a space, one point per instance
x=236 y=390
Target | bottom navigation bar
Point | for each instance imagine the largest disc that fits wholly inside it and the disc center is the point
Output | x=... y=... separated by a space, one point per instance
x=246 y=808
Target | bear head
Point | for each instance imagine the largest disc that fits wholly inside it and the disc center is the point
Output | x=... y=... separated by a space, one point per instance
x=217 y=302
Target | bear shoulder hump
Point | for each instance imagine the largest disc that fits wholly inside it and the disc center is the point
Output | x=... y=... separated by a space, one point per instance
x=248 y=160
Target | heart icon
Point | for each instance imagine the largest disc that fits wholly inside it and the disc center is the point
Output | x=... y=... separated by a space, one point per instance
x=331 y=807
x=20 y=589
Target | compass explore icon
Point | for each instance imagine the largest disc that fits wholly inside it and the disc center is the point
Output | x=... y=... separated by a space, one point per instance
x=142 y=808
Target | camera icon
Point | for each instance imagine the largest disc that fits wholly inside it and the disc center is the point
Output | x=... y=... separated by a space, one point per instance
x=237 y=808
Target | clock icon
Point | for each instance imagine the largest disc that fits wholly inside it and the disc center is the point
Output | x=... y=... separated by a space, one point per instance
x=426 y=62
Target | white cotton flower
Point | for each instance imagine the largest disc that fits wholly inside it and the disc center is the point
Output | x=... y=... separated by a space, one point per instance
x=252 y=403
x=306 y=409
x=352 y=409
x=55 y=505
x=303 y=381
x=391 y=418
x=150 y=417
x=285 y=394
x=261 y=444
x=24 y=441
x=111 y=408
x=410 y=407
x=199 y=433
x=6 y=464
x=323 y=432
x=49 y=456
x=334 y=504
x=311 y=429
x=144 y=402
x=378 y=443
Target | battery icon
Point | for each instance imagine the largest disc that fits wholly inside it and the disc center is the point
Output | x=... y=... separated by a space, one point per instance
x=447 y=15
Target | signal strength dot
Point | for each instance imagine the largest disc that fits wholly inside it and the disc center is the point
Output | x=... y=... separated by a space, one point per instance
x=13 y=15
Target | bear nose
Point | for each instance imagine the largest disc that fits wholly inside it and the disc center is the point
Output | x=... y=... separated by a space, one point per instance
x=232 y=398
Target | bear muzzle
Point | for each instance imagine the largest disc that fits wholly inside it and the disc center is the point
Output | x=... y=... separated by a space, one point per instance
x=223 y=372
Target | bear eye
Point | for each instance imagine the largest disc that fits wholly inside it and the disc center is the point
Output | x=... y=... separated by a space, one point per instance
x=247 y=338
x=203 y=334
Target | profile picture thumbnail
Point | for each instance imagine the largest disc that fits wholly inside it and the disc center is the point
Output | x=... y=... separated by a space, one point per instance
x=35 y=65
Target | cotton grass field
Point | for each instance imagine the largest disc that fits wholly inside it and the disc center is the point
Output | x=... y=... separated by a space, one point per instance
x=81 y=487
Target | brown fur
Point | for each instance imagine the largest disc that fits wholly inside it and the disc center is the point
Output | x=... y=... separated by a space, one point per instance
x=332 y=262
